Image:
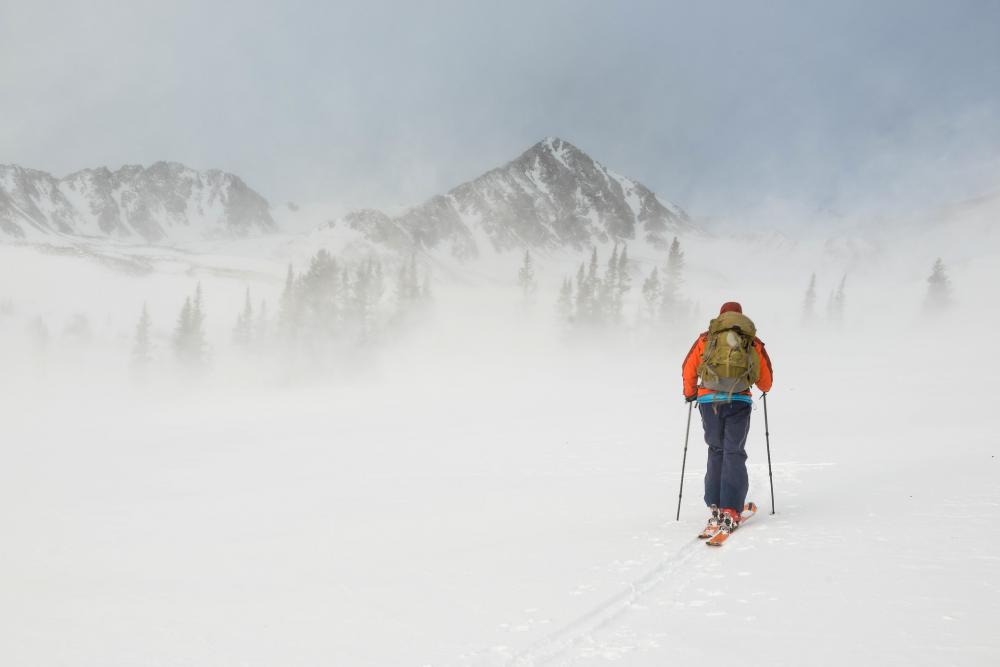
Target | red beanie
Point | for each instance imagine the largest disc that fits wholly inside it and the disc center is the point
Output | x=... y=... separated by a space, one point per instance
x=731 y=307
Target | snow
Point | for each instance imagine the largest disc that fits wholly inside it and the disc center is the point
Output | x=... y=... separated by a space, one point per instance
x=631 y=197
x=74 y=200
x=535 y=175
x=558 y=150
x=484 y=492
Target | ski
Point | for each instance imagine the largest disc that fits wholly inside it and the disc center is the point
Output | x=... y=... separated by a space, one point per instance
x=712 y=527
x=720 y=537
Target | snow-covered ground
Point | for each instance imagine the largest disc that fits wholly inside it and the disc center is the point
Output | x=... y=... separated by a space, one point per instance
x=486 y=493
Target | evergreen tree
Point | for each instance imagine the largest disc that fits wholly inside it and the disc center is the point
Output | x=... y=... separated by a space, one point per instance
x=198 y=324
x=360 y=290
x=652 y=294
x=565 y=304
x=608 y=291
x=673 y=279
x=410 y=294
x=592 y=268
x=589 y=298
x=526 y=277
x=402 y=288
x=581 y=292
x=407 y=283
x=938 y=297
x=320 y=292
x=244 y=329
x=835 y=304
x=376 y=290
x=189 y=335
x=378 y=283
x=182 y=332
x=366 y=290
x=141 y=348
x=623 y=283
x=289 y=311
x=809 y=305
x=624 y=276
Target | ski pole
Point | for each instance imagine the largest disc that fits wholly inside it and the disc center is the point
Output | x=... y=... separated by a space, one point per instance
x=767 y=437
x=687 y=433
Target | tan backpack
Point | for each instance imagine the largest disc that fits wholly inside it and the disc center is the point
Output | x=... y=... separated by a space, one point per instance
x=729 y=364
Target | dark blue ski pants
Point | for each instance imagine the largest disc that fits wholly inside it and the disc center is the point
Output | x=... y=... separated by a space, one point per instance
x=726 y=427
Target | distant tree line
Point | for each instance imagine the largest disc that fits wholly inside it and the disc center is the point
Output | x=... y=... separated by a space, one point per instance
x=938 y=297
x=596 y=299
x=331 y=302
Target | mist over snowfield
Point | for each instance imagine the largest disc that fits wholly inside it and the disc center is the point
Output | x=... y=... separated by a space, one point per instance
x=351 y=332
x=487 y=485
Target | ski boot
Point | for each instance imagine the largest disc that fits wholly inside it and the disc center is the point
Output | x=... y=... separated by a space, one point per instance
x=729 y=521
x=714 y=521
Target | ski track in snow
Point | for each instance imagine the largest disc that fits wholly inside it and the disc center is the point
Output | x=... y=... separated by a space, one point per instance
x=605 y=614
x=675 y=572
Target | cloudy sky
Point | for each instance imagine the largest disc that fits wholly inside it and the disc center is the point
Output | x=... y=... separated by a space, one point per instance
x=721 y=106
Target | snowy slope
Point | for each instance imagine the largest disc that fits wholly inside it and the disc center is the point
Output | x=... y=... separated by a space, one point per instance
x=516 y=507
x=164 y=203
x=487 y=492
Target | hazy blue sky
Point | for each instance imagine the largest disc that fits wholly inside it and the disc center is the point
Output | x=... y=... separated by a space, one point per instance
x=720 y=106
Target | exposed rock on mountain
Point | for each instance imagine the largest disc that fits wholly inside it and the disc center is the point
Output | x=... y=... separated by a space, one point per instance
x=553 y=195
x=163 y=203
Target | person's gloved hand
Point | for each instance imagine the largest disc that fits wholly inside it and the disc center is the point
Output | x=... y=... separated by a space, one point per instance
x=691 y=398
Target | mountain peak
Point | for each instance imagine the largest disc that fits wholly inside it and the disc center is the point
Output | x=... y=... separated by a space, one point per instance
x=554 y=144
x=552 y=195
x=559 y=148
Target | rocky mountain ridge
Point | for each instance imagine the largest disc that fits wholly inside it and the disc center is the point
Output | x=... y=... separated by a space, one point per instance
x=553 y=195
x=162 y=203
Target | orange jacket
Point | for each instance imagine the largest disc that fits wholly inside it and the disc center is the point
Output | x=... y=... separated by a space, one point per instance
x=693 y=359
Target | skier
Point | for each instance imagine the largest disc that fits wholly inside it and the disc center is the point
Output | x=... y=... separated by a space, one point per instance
x=729 y=359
